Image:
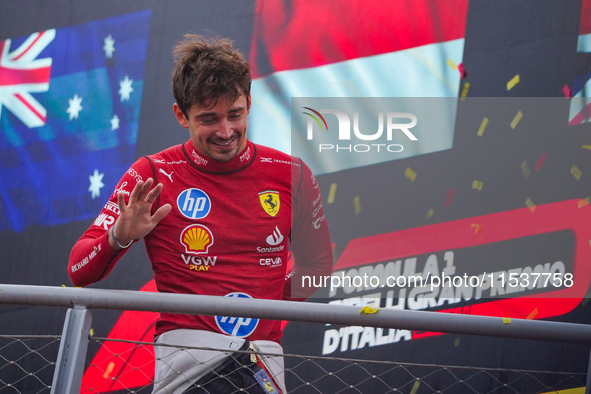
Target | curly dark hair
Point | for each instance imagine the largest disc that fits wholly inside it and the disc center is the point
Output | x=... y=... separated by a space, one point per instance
x=206 y=70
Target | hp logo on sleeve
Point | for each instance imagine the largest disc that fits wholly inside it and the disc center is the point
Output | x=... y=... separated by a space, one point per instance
x=240 y=327
x=194 y=203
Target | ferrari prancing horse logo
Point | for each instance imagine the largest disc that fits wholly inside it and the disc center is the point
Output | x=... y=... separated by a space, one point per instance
x=270 y=202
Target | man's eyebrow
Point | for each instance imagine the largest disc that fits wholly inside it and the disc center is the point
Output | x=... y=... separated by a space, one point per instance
x=209 y=114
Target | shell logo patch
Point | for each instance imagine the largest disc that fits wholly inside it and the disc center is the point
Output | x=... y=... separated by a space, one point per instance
x=270 y=202
x=196 y=239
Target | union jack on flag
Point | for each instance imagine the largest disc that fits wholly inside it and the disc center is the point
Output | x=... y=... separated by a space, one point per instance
x=21 y=74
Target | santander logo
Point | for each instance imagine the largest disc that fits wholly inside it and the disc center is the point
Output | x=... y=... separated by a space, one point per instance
x=276 y=238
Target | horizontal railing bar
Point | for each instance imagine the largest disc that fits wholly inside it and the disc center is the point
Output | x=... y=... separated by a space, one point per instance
x=295 y=311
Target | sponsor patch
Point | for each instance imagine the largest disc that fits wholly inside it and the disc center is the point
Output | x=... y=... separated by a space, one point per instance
x=196 y=239
x=270 y=202
x=240 y=327
x=194 y=203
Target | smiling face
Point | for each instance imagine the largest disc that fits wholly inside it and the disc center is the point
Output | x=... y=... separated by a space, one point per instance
x=217 y=132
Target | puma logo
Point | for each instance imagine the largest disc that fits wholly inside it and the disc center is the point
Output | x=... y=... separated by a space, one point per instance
x=169 y=176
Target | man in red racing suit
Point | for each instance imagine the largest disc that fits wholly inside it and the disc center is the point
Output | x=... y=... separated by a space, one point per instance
x=219 y=215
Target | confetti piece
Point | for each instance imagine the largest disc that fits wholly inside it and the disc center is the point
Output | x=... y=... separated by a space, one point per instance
x=450 y=195
x=477 y=185
x=357 y=204
x=64 y=286
x=465 y=91
x=514 y=81
x=477 y=227
x=109 y=369
x=530 y=204
x=540 y=161
x=457 y=342
x=91 y=331
x=410 y=174
x=461 y=70
x=452 y=64
x=415 y=387
x=576 y=172
x=525 y=169
x=567 y=92
x=369 y=310
x=516 y=119
x=586 y=147
x=482 y=127
x=331 y=193
x=506 y=320
x=532 y=314
x=583 y=202
x=430 y=213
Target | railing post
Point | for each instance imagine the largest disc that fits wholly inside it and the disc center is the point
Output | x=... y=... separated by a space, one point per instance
x=71 y=357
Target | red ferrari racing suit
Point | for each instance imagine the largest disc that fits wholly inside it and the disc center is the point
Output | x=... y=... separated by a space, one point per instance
x=229 y=233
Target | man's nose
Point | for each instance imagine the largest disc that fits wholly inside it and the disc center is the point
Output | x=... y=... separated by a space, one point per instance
x=225 y=130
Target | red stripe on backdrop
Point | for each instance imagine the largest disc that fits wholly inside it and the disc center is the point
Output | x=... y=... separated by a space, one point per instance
x=585 y=26
x=299 y=34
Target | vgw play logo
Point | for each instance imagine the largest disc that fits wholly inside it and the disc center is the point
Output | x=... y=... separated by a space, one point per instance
x=389 y=123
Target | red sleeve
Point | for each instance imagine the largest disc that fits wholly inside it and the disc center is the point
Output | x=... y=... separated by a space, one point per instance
x=310 y=238
x=91 y=258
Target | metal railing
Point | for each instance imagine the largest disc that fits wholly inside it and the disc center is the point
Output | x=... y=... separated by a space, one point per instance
x=71 y=358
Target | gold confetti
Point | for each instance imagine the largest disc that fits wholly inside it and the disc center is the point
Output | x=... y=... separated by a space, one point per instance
x=357 y=204
x=430 y=213
x=477 y=228
x=525 y=169
x=91 y=331
x=452 y=64
x=477 y=185
x=331 y=193
x=532 y=314
x=514 y=81
x=109 y=369
x=506 y=320
x=465 y=91
x=482 y=127
x=415 y=387
x=457 y=342
x=410 y=174
x=583 y=202
x=576 y=172
x=369 y=310
x=530 y=204
x=516 y=119
x=586 y=147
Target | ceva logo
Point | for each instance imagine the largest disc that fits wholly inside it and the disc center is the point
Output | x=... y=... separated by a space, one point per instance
x=388 y=122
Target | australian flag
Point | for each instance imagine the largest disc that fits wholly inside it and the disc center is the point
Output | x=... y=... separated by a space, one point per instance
x=70 y=104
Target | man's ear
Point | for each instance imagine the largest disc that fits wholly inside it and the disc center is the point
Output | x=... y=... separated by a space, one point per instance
x=180 y=116
x=248 y=104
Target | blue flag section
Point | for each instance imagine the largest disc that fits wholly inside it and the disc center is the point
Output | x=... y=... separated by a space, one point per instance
x=70 y=103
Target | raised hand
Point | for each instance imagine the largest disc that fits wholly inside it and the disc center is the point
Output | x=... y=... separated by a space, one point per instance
x=135 y=219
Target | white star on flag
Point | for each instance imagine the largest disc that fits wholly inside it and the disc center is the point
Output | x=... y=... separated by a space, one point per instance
x=114 y=122
x=126 y=88
x=74 y=108
x=96 y=183
x=109 y=47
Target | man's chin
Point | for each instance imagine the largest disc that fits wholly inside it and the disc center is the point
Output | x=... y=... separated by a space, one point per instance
x=223 y=156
